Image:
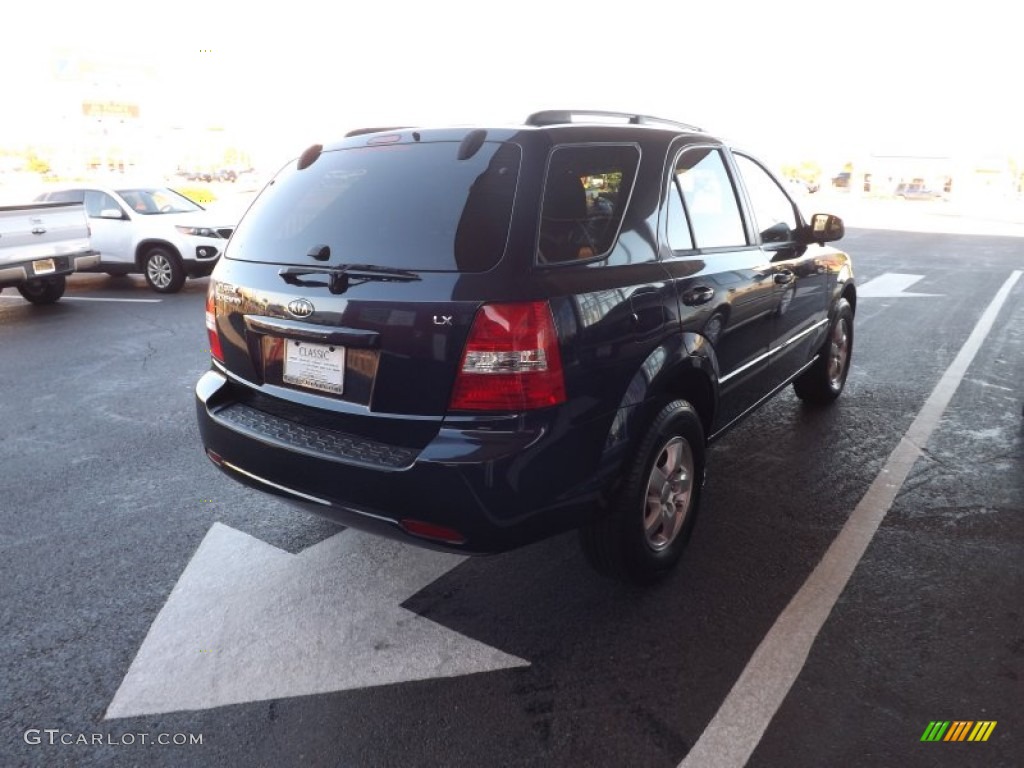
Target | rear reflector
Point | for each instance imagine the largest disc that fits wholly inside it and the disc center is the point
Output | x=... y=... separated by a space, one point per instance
x=214 y=457
x=511 y=361
x=431 y=531
x=211 y=323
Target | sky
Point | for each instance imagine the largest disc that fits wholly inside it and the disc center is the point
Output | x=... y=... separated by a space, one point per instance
x=785 y=78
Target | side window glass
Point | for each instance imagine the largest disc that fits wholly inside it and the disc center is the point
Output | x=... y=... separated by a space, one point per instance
x=585 y=195
x=710 y=199
x=773 y=211
x=678 y=228
x=97 y=202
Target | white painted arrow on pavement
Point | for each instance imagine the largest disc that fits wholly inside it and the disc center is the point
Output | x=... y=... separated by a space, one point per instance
x=891 y=285
x=249 y=622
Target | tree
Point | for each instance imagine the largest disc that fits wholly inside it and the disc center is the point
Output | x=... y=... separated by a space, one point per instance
x=36 y=164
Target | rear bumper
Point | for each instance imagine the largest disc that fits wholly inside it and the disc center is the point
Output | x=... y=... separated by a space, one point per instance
x=497 y=489
x=64 y=264
x=87 y=261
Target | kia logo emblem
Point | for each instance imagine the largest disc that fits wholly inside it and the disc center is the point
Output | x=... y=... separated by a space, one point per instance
x=300 y=307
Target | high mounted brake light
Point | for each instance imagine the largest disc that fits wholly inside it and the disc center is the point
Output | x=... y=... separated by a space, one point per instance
x=511 y=361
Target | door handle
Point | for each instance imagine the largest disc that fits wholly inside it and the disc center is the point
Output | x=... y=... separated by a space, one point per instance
x=38 y=231
x=702 y=294
x=784 y=277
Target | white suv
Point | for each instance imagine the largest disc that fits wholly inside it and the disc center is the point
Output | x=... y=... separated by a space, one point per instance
x=152 y=230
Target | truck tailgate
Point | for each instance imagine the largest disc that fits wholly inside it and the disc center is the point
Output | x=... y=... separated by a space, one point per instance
x=42 y=230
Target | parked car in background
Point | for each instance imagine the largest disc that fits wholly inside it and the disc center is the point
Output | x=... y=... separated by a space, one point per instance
x=917 y=191
x=800 y=186
x=841 y=180
x=40 y=245
x=151 y=230
x=475 y=338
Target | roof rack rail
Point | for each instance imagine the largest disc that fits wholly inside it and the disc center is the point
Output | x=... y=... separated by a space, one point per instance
x=562 y=116
x=363 y=131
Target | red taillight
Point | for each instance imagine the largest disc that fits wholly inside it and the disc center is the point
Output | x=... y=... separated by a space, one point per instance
x=511 y=361
x=431 y=531
x=211 y=323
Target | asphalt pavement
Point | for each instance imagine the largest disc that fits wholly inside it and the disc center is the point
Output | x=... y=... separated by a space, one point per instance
x=148 y=599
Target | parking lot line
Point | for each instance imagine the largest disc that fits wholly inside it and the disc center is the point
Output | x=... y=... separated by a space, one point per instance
x=736 y=729
x=93 y=298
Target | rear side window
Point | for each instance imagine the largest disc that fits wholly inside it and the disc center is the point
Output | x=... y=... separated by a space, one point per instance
x=585 y=196
x=405 y=206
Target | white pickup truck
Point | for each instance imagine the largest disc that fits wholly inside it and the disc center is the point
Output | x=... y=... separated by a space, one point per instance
x=39 y=245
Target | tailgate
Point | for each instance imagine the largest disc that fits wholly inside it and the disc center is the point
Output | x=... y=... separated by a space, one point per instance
x=379 y=348
x=42 y=231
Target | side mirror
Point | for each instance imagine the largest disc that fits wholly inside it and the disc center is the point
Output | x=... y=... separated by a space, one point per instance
x=824 y=228
x=111 y=213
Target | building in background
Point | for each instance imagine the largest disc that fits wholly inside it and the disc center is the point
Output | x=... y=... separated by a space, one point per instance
x=123 y=114
x=962 y=175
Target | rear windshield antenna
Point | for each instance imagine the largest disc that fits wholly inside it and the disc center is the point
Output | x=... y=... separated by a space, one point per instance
x=471 y=144
x=309 y=157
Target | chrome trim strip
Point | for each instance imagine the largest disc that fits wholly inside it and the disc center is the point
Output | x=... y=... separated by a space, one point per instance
x=350 y=337
x=771 y=352
x=263 y=480
x=800 y=335
x=745 y=366
x=782 y=385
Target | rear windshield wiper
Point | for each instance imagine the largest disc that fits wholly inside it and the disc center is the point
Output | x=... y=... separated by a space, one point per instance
x=339 y=278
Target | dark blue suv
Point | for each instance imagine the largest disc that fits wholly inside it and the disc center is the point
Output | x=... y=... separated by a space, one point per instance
x=475 y=338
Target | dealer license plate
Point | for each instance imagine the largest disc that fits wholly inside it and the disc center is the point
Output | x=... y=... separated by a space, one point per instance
x=43 y=266
x=314 y=366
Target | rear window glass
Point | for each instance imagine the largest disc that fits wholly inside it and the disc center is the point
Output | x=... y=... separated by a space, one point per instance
x=64 y=196
x=585 y=195
x=406 y=206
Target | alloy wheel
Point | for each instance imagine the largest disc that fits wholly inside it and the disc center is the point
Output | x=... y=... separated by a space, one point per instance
x=669 y=489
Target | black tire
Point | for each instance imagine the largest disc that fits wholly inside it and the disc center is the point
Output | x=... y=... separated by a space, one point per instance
x=642 y=537
x=163 y=270
x=43 y=290
x=823 y=382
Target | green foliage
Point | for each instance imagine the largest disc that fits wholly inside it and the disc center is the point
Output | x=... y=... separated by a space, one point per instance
x=36 y=164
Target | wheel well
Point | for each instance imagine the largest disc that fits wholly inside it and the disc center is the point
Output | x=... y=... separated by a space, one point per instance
x=695 y=387
x=850 y=294
x=147 y=245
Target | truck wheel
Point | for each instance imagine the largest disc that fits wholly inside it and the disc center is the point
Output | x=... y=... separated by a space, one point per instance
x=823 y=382
x=43 y=290
x=163 y=270
x=650 y=521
